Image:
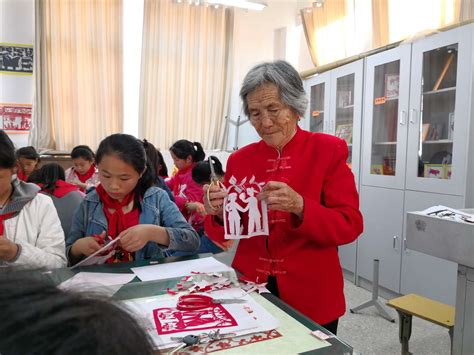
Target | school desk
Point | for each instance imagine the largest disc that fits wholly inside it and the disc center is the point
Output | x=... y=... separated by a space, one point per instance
x=295 y=327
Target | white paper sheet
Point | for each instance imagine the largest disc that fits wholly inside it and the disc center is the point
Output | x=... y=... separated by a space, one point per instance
x=448 y=213
x=96 y=279
x=258 y=321
x=98 y=258
x=179 y=269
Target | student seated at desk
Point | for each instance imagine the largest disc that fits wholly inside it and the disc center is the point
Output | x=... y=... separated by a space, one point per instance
x=127 y=205
x=27 y=161
x=84 y=172
x=66 y=197
x=30 y=231
x=38 y=318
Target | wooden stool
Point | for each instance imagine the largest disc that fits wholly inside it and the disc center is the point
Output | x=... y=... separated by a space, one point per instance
x=424 y=308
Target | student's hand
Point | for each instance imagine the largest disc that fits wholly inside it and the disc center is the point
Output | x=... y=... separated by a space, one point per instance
x=80 y=185
x=196 y=207
x=8 y=249
x=135 y=238
x=214 y=199
x=87 y=245
x=281 y=197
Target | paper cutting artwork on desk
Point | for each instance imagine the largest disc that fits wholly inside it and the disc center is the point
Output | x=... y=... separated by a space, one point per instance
x=244 y=215
x=171 y=320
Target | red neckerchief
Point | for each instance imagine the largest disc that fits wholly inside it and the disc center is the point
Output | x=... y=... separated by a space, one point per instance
x=20 y=174
x=179 y=174
x=61 y=189
x=3 y=217
x=118 y=221
x=83 y=178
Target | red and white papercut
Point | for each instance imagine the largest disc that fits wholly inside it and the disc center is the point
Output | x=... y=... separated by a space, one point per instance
x=241 y=201
x=15 y=117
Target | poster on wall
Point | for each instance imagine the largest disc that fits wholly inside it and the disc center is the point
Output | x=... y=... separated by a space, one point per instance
x=16 y=59
x=15 y=117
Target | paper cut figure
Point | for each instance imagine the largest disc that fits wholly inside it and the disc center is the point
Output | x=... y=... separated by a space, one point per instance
x=255 y=217
x=244 y=215
x=172 y=320
x=233 y=208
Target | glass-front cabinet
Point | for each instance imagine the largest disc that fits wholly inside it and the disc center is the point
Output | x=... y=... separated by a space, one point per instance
x=439 y=113
x=317 y=88
x=345 y=117
x=385 y=118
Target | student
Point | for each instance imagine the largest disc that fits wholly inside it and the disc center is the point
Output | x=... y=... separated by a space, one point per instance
x=84 y=172
x=30 y=230
x=202 y=175
x=153 y=156
x=127 y=205
x=39 y=318
x=162 y=168
x=185 y=155
x=66 y=197
x=28 y=160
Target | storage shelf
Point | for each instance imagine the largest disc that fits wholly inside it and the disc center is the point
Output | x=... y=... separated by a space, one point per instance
x=432 y=92
x=439 y=141
x=385 y=143
x=345 y=107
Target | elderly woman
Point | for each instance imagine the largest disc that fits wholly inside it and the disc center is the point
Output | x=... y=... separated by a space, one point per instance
x=310 y=193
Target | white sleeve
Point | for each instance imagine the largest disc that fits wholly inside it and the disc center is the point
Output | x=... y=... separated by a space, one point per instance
x=46 y=249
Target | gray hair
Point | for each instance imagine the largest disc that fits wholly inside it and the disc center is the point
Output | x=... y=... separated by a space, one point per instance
x=286 y=79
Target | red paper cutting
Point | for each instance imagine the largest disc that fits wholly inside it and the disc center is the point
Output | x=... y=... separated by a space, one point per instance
x=171 y=320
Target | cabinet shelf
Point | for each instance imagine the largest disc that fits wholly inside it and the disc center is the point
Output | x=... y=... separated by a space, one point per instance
x=385 y=143
x=440 y=91
x=345 y=107
x=438 y=141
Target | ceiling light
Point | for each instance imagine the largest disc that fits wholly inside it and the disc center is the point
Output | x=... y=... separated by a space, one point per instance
x=318 y=3
x=244 y=4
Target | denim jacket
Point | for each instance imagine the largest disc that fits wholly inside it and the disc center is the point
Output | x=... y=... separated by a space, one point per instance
x=89 y=219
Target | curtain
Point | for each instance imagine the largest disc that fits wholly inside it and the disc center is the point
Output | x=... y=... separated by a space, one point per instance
x=78 y=72
x=185 y=78
x=333 y=29
x=326 y=31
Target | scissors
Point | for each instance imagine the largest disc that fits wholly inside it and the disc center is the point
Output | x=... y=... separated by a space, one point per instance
x=214 y=181
x=196 y=302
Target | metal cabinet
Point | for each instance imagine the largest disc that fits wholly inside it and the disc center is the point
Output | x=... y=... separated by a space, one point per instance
x=335 y=107
x=415 y=151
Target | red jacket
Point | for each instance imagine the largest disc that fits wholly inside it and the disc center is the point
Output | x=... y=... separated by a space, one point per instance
x=185 y=189
x=302 y=255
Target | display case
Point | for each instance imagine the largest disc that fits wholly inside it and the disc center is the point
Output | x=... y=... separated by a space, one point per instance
x=317 y=87
x=385 y=117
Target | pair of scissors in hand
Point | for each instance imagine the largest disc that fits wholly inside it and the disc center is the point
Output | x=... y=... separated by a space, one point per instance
x=214 y=181
x=196 y=302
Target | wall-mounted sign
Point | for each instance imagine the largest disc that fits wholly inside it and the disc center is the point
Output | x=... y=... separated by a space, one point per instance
x=16 y=59
x=15 y=117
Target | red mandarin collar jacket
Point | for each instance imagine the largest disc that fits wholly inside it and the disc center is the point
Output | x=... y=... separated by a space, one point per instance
x=303 y=254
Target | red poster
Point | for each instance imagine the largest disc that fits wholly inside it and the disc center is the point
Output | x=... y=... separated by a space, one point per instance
x=15 y=117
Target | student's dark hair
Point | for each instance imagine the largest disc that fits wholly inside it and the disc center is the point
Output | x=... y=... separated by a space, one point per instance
x=47 y=175
x=184 y=148
x=152 y=157
x=28 y=153
x=84 y=152
x=130 y=150
x=7 y=151
x=163 y=168
x=202 y=172
x=39 y=318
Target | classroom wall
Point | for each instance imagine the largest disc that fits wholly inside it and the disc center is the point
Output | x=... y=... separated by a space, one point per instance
x=256 y=33
x=16 y=26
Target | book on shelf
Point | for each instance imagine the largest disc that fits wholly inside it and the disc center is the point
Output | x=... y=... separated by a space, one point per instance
x=425 y=131
x=344 y=131
x=392 y=84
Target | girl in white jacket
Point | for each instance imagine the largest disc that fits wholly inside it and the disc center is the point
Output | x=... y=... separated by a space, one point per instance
x=30 y=231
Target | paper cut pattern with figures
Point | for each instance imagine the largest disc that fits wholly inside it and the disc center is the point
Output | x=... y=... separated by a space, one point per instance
x=171 y=320
x=244 y=215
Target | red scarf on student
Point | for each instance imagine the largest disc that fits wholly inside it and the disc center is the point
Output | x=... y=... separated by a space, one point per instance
x=61 y=189
x=3 y=217
x=20 y=174
x=83 y=178
x=118 y=221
